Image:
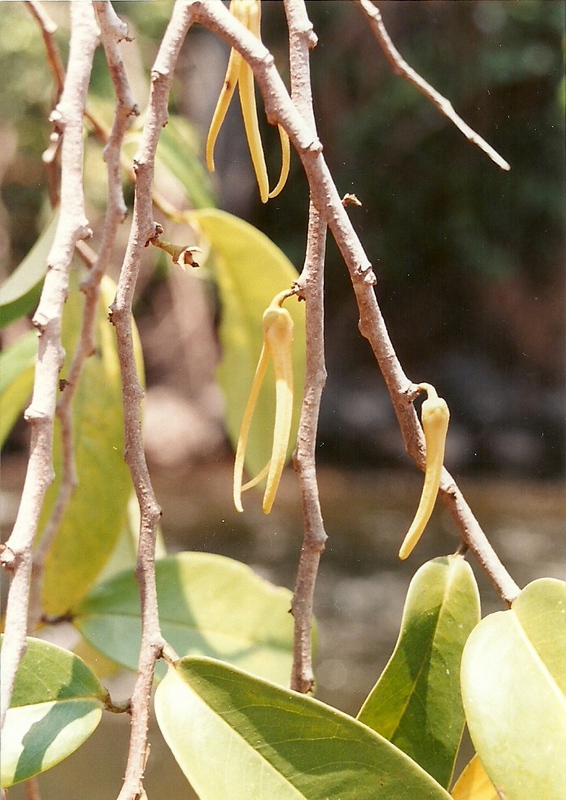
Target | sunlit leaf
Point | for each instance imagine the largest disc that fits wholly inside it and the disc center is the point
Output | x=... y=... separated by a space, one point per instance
x=249 y=271
x=239 y=737
x=474 y=784
x=97 y=512
x=208 y=605
x=17 y=365
x=416 y=702
x=514 y=691
x=19 y=294
x=57 y=703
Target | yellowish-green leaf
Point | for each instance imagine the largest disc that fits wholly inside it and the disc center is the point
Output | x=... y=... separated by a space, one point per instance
x=474 y=784
x=249 y=271
x=416 y=703
x=17 y=366
x=19 y=294
x=514 y=692
x=238 y=737
x=97 y=512
x=57 y=703
x=208 y=605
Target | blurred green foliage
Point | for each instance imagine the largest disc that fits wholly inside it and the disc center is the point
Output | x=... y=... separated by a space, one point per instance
x=439 y=219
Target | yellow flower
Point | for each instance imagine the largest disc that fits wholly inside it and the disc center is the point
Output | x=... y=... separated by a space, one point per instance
x=435 y=417
x=248 y=12
x=277 y=344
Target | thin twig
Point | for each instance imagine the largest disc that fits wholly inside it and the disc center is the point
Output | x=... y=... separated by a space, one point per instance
x=400 y=67
x=281 y=110
x=48 y=28
x=309 y=287
x=112 y=32
x=32 y=789
x=142 y=230
x=73 y=225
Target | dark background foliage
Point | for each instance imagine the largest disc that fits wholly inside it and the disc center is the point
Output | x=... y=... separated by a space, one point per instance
x=470 y=260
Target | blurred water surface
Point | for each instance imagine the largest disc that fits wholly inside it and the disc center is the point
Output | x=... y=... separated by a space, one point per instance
x=360 y=590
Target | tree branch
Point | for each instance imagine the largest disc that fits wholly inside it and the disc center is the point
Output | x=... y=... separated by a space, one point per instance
x=142 y=230
x=112 y=32
x=309 y=287
x=281 y=110
x=48 y=28
x=73 y=225
x=400 y=67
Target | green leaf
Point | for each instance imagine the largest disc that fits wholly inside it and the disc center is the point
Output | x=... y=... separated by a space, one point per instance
x=416 y=703
x=249 y=271
x=17 y=368
x=97 y=511
x=514 y=691
x=208 y=605
x=57 y=703
x=239 y=737
x=19 y=294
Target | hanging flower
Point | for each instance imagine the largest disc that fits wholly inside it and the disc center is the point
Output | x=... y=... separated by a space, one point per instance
x=435 y=417
x=248 y=12
x=277 y=345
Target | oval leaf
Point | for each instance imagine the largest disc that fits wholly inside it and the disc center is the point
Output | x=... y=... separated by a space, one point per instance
x=57 y=703
x=514 y=691
x=238 y=737
x=17 y=367
x=97 y=511
x=249 y=271
x=474 y=784
x=208 y=605
x=19 y=294
x=416 y=703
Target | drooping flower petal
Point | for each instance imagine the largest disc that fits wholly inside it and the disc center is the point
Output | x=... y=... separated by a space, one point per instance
x=246 y=424
x=248 y=12
x=285 y=162
x=226 y=94
x=279 y=334
x=435 y=417
x=277 y=345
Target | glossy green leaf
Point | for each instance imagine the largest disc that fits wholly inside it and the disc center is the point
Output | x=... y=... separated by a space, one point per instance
x=474 y=784
x=416 y=703
x=249 y=271
x=19 y=294
x=17 y=368
x=97 y=511
x=208 y=605
x=57 y=703
x=239 y=737
x=514 y=691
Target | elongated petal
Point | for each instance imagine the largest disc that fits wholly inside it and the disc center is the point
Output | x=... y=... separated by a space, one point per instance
x=226 y=94
x=246 y=423
x=435 y=417
x=279 y=337
x=285 y=162
x=251 y=125
x=277 y=345
x=258 y=478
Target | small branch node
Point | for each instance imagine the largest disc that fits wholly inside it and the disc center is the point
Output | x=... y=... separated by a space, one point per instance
x=314 y=148
x=8 y=558
x=350 y=199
